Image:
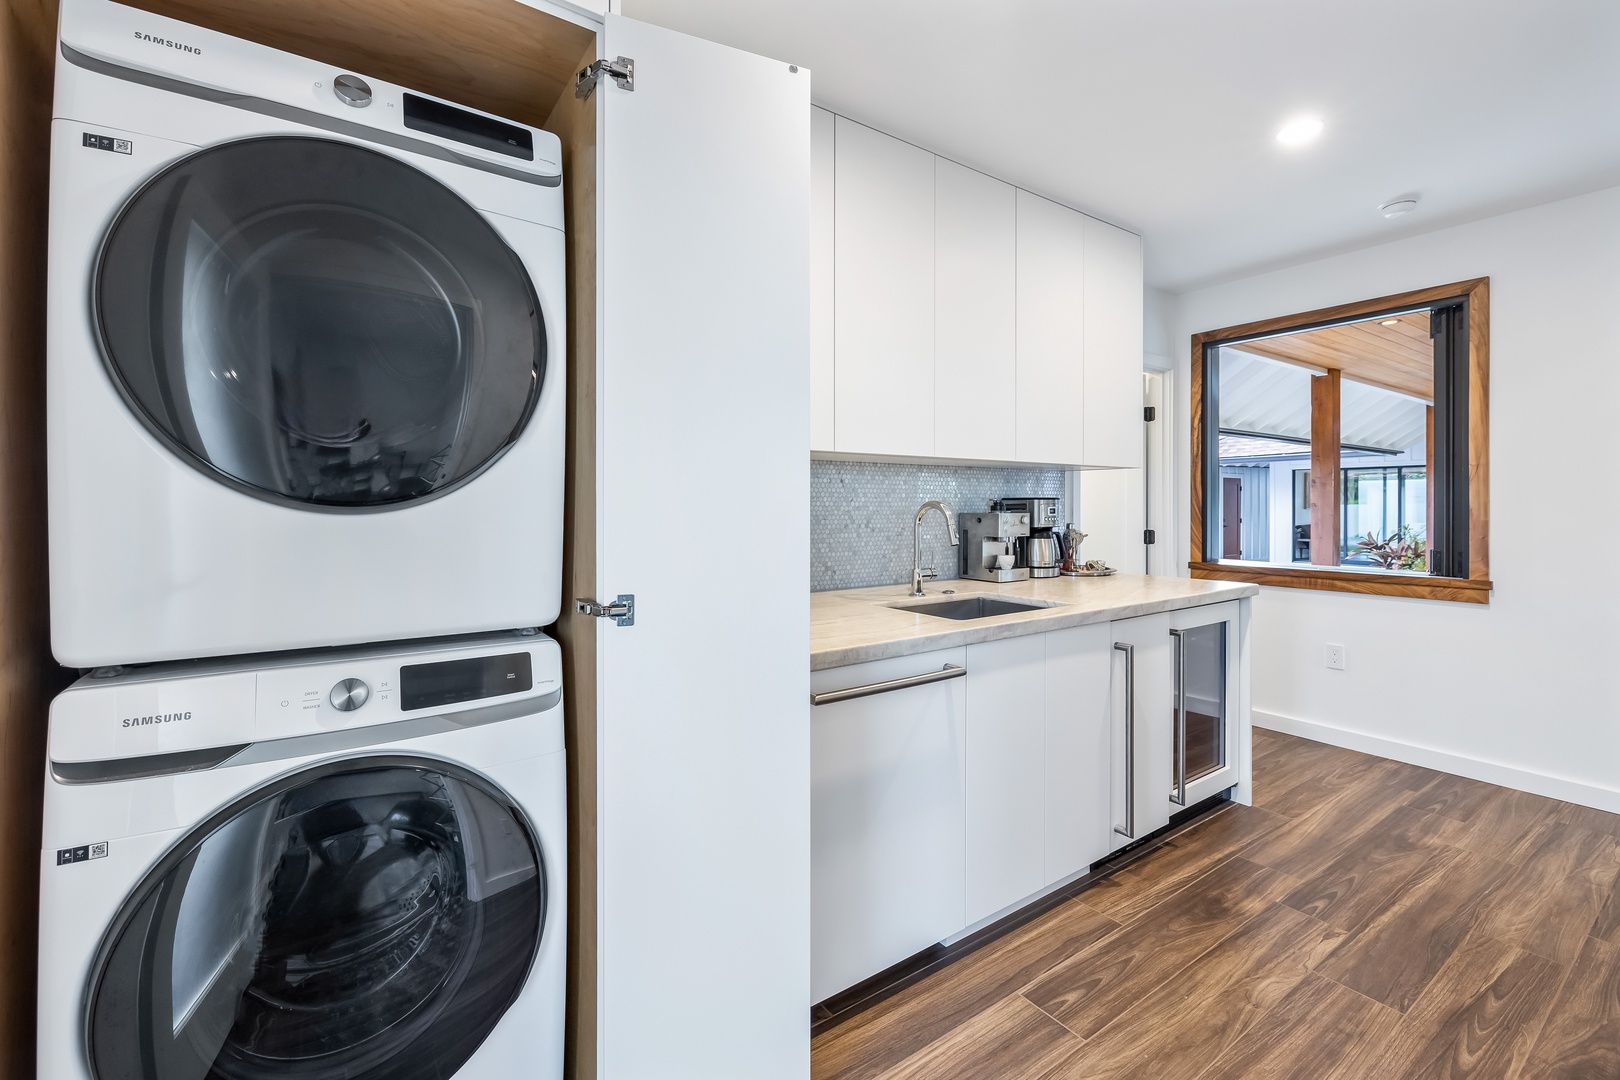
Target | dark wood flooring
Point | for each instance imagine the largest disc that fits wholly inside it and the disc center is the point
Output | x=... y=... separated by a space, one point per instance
x=1364 y=919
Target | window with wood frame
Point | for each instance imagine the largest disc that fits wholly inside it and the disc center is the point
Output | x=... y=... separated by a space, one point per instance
x=1347 y=449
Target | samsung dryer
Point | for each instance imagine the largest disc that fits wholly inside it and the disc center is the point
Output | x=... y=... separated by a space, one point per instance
x=305 y=371
x=349 y=864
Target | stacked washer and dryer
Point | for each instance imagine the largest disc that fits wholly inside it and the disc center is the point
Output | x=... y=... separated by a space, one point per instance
x=306 y=398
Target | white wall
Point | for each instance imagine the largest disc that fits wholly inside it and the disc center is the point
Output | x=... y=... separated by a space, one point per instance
x=1523 y=691
x=1158 y=329
x=1111 y=514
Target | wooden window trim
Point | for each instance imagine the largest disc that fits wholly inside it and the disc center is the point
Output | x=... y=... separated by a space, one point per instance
x=1476 y=587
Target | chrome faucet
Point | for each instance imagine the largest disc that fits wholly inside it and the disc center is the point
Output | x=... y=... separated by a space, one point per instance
x=918 y=574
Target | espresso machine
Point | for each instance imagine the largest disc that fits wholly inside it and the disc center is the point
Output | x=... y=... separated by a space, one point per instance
x=989 y=545
x=1040 y=551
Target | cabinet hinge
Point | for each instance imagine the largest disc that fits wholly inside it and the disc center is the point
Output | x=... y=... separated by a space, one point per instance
x=1149 y=536
x=621 y=611
x=1149 y=414
x=621 y=70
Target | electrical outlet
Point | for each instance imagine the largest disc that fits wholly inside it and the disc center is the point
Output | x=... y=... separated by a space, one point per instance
x=1335 y=657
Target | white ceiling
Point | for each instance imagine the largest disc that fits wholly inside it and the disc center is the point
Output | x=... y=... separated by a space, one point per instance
x=1161 y=115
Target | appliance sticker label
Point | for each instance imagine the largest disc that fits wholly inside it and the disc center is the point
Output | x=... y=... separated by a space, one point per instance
x=107 y=142
x=83 y=853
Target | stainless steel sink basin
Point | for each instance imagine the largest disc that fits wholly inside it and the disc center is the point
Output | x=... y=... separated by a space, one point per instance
x=972 y=607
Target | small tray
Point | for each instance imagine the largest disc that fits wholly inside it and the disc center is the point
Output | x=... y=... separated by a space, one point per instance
x=1090 y=573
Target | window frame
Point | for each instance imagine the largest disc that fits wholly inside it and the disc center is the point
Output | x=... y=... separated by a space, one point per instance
x=1476 y=587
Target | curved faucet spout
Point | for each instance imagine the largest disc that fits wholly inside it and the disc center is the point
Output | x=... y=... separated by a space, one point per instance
x=918 y=574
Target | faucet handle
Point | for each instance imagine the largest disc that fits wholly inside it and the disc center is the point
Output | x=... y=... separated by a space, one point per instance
x=928 y=573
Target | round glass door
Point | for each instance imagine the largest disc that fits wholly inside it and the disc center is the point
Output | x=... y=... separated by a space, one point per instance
x=359 y=921
x=319 y=324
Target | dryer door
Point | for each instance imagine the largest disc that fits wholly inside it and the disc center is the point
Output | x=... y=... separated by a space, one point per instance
x=319 y=324
x=362 y=920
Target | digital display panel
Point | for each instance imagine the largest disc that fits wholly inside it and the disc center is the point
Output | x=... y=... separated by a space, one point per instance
x=424 y=686
x=484 y=132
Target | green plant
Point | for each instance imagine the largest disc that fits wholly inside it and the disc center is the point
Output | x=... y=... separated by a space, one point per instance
x=1402 y=549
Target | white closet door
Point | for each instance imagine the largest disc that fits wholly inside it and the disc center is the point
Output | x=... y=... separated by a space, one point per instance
x=1113 y=410
x=884 y=285
x=823 y=363
x=975 y=314
x=1051 y=331
x=703 y=729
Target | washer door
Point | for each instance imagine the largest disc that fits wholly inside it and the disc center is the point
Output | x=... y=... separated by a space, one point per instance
x=319 y=324
x=364 y=920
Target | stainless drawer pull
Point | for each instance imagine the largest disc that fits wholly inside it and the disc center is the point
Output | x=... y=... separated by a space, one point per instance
x=949 y=671
x=1128 y=830
x=1179 y=794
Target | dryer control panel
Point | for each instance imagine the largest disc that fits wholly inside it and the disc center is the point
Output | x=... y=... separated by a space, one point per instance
x=177 y=708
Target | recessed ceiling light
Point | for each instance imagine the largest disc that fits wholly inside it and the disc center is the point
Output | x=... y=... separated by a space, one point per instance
x=1301 y=131
x=1390 y=322
x=1398 y=207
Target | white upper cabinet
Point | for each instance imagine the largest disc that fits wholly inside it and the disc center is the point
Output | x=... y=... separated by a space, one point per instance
x=884 y=294
x=955 y=316
x=1051 y=332
x=1113 y=391
x=823 y=368
x=975 y=314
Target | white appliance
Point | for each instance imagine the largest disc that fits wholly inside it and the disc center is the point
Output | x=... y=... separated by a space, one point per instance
x=305 y=359
x=346 y=863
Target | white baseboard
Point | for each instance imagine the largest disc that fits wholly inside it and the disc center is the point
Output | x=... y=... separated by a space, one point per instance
x=1554 y=787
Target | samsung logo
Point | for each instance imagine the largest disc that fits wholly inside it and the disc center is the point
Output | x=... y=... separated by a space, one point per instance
x=165 y=41
x=158 y=718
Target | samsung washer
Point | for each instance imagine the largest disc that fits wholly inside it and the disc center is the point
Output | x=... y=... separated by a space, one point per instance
x=305 y=371
x=340 y=866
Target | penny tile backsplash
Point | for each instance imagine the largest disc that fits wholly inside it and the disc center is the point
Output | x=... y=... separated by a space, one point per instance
x=861 y=514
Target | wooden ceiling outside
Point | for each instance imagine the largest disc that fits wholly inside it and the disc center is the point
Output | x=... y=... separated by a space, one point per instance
x=1398 y=357
x=495 y=55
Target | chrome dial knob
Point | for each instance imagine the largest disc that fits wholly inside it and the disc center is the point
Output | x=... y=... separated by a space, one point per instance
x=349 y=695
x=352 y=90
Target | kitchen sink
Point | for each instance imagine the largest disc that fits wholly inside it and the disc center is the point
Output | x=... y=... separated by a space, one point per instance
x=972 y=607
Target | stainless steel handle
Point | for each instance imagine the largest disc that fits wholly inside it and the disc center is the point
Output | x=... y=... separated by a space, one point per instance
x=949 y=671
x=1180 y=795
x=1128 y=830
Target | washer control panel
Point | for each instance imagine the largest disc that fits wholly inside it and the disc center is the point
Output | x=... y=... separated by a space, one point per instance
x=349 y=694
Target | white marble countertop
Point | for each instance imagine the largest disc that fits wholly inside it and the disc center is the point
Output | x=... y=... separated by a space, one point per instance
x=854 y=626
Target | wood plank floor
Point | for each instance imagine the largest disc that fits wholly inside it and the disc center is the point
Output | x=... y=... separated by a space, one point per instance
x=1364 y=919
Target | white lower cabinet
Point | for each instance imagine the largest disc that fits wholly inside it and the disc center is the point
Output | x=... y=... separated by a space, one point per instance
x=1006 y=752
x=886 y=818
x=1078 y=746
x=1141 y=703
x=943 y=801
x=1037 y=763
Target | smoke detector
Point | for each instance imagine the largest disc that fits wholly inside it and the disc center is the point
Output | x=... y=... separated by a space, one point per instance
x=1396 y=207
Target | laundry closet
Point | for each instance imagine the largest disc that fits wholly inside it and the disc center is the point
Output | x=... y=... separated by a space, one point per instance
x=685 y=181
